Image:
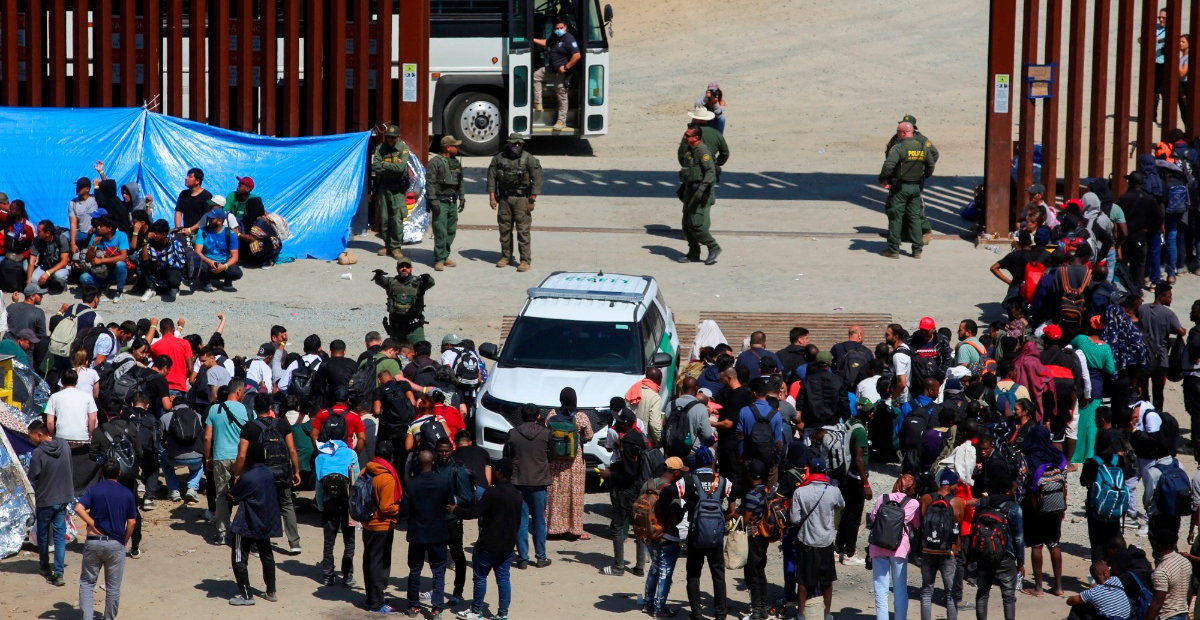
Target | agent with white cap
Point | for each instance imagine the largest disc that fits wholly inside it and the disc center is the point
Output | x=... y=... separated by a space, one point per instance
x=444 y=186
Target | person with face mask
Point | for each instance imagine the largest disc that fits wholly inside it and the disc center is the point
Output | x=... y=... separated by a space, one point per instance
x=514 y=180
x=697 y=177
x=563 y=54
x=443 y=182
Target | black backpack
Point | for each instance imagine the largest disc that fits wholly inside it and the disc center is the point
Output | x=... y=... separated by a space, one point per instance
x=922 y=367
x=466 y=369
x=707 y=530
x=302 y=379
x=186 y=426
x=890 y=525
x=426 y=375
x=990 y=535
x=394 y=407
x=679 y=440
x=147 y=425
x=122 y=451
x=131 y=382
x=431 y=432
x=760 y=445
x=275 y=453
x=334 y=427
x=364 y=379
x=938 y=529
x=853 y=366
x=86 y=341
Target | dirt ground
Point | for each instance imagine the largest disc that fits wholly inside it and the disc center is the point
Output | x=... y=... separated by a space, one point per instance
x=815 y=87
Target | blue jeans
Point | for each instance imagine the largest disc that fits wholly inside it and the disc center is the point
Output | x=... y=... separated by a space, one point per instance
x=1154 y=257
x=663 y=555
x=718 y=123
x=533 y=502
x=898 y=569
x=52 y=517
x=791 y=553
x=195 y=471
x=485 y=562
x=117 y=274
x=1171 y=244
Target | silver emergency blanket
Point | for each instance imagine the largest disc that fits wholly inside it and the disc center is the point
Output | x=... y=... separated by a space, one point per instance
x=417 y=223
x=30 y=392
x=16 y=501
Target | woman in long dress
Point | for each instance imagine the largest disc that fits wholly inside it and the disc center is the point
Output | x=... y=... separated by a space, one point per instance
x=564 y=503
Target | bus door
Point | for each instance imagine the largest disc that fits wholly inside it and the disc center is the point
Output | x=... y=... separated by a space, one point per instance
x=594 y=82
x=520 y=67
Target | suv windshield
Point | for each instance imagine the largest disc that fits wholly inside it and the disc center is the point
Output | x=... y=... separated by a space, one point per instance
x=573 y=345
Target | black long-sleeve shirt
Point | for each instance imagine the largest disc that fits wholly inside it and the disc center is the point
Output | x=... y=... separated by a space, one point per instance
x=1142 y=211
x=499 y=514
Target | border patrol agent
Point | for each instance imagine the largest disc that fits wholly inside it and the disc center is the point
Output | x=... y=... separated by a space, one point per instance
x=389 y=162
x=713 y=139
x=444 y=187
x=907 y=165
x=514 y=180
x=405 y=302
x=697 y=176
x=926 y=229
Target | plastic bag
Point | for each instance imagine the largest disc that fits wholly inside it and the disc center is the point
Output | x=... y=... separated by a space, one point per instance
x=417 y=222
x=737 y=545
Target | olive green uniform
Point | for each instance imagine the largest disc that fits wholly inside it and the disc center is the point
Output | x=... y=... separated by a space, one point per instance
x=933 y=156
x=697 y=178
x=717 y=147
x=444 y=188
x=405 y=305
x=390 y=165
x=513 y=181
x=907 y=165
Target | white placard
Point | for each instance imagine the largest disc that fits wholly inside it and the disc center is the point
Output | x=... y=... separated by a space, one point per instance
x=408 y=82
x=1003 y=94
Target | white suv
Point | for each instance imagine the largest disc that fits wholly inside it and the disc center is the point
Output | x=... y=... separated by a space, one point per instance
x=594 y=332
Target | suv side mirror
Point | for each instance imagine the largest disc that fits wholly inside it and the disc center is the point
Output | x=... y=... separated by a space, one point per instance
x=660 y=360
x=489 y=350
x=608 y=14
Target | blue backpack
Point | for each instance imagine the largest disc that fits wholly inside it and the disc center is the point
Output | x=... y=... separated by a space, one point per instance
x=1144 y=596
x=1108 y=496
x=1173 y=495
x=1177 y=198
x=362 y=498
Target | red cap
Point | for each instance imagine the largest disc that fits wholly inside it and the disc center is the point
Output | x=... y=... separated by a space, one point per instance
x=927 y=323
x=247 y=181
x=1052 y=332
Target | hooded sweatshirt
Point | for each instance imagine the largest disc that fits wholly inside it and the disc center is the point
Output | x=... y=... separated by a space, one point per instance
x=137 y=200
x=1152 y=181
x=335 y=457
x=529 y=448
x=387 y=499
x=110 y=201
x=1036 y=378
x=1098 y=224
x=50 y=473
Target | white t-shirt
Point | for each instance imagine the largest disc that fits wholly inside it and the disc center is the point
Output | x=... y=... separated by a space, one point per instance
x=868 y=388
x=286 y=380
x=88 y=377
x=260 y=373
x=71 y=408
x=902 y=364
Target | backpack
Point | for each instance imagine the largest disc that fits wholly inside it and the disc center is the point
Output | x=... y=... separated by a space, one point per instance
x=334 y=427
x=1178 y=199
x=1050 y=499
x=837 y=444
x=651 y=465
x=431 y=432
x=335 y=487
x=990 y=535
x=978 y=368
x=1175 y=354
x=761 y=441
x=147 y=425
x=564 y=437
x=1108 y=496
x=394 y=407
x=853 y=365
x=185 y=426
x=924 y=367
x=275 y=452
x=679 y=440
x=644 y=516
x=938 y=529
x=121 y=450
x=1033 y=274
x=466 y=369
x=129 y=383
x=1173 y=494
x=302 y=379
x=363 y=381
x=1141 y=603
x=1018 y=468
x=362 y=497
x=1074 y=306
x=707 y=527
x=912 y=430
x=890 y=525
x=64 y=334
x=426 y=375
x=1006 y=400
x=87 y=342
x=774 y=521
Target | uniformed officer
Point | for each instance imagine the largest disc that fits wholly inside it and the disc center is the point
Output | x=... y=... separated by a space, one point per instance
x=444 y=188
x=389 y=162
x=908 y=163
x=405 y=302
x=713 y=139
x=514 y=180
x=926 y=230
x=697 y=177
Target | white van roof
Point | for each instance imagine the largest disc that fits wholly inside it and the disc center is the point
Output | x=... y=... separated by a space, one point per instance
x=591 y=297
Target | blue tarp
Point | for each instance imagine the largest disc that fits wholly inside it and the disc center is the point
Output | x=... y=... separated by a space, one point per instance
x=315 y=183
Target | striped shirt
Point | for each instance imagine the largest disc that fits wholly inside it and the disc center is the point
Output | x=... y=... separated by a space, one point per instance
x=1108 y=598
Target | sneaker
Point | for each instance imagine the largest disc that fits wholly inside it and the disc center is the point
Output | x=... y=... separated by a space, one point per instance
x=413 y=611
x=426 y=596
x=209 y=516
x=118 y=297
x=147 y=504
x=241 y=601
x=229 y=288
x=348 y=581
x=521 y=564
x=469 y=615
x=135 y=553
x=1143 y=530
x=175 y=496
x=295 y=550
x=386 y=610
x=44 y=571
x=209 y=288
x=667 y=613
x=267 y=265
x=637 y=572
x=853 y=561
x=171 y=295
x=542 y=563
x=828 y=616
x=191 y=497
x=965 y=606
x=148 y=295
x=328 y=581
x=453 y=601
x=56 y=579
x=270 y=597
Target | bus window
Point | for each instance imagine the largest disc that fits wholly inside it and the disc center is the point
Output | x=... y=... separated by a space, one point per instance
x=595 y=23
x=520 y=22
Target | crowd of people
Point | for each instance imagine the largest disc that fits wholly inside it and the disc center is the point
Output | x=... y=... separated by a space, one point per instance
x=114 y=239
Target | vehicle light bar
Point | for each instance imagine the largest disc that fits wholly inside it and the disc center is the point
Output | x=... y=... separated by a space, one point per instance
x=562 y=293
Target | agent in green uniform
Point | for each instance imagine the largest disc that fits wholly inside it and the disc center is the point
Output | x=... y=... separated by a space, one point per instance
x=405 y=302
x=389 y=162
x=926 y=230
x=514 y=180
x=713 y=139
x=697 y=177
x=444 y=188
x=907 y=165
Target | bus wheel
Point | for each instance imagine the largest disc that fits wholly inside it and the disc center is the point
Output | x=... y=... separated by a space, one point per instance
x=478 y=120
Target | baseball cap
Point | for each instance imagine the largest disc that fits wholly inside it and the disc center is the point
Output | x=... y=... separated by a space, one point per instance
x=953 y=385
x=516 y=138
x=403 y=263
x=818 y=466
x=705 y=391
x=33 y=289
x=627 y=415
x=1036 y=188
x=909 y=118
x=865 y=404
x=27 y=334
x=218 y=213
x=3 y=197
x=947 y=477
x=451 y=339
x=247 y=181
x=217 y=200
x=676 y=464
x=449 y=141
x=341 y=394
x=1052 y=332
x=266 y=350
x=824 y=358
x=927 y=323
x=82 y=182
